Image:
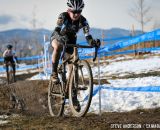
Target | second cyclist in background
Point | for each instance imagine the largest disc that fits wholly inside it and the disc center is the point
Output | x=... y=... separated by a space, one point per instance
x=10 y=57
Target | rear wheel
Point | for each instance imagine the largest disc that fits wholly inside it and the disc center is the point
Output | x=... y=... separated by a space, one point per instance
x=81 y=89
x=11 y=76
x=55 y=99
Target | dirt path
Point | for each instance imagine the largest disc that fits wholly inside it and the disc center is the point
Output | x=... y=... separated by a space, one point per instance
x=140 y=119
x=36 y=116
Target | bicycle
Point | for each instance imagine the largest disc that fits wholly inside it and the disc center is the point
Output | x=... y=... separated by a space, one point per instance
x=78 y=88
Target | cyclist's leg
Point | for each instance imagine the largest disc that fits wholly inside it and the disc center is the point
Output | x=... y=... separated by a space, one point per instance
x=14 y=71
x=57 y=48
x=7 y=73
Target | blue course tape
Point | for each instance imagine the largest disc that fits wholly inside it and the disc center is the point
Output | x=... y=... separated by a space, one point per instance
x=107 y=39
x=95 y=91
x=107 y=50
x=31 y=58
x=130 y=51
x=26 y=58
x=26 y=67
x=136 y=89
x=150 y=36
x=133 y=89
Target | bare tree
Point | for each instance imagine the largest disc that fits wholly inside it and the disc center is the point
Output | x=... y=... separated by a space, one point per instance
x=140 y=12
x=34 y=19
x=34 y=38
x=15 y=41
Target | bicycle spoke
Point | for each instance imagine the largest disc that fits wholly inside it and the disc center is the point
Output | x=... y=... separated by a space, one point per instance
x=57 y=95
x=81 y=89
x=55 y=100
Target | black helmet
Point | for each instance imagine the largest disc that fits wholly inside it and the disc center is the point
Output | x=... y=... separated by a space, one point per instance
x=75 y=4
x=9 y=46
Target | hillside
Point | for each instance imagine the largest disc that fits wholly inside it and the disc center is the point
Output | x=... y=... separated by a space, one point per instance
x=25 y=34
x=30 y=42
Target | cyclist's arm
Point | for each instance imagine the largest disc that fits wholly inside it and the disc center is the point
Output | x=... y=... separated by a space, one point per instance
x=4 y=53
x=15 y=56
x=59 y=26
x=86 y=30
x=4 y=56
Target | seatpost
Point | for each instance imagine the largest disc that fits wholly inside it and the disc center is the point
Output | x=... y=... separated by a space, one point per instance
x=75 y=53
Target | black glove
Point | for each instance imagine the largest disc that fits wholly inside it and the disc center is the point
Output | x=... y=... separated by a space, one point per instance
x=95 y=43
x=98 y=43
x=92 y=42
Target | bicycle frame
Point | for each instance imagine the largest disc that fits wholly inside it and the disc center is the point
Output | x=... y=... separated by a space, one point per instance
x=74 y=59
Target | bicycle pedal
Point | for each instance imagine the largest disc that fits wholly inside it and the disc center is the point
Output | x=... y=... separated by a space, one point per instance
x=82 y=88
x=56 y=82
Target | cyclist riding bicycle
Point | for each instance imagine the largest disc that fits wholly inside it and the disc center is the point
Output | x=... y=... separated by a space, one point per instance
x=9 y=55
x=68 y=24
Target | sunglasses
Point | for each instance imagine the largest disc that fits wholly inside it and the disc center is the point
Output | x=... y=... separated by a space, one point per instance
x=76 y=11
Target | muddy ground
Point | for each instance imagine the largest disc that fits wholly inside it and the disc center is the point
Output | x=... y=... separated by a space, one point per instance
x=35 y=116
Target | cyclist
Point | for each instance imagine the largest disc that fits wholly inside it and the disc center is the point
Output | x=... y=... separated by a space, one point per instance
x=9 y=55
x=68 y=24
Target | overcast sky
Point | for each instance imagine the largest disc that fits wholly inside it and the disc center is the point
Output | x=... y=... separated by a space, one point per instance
x=103 y=14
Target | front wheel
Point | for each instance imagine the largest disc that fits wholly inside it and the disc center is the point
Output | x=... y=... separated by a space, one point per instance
x=81 y=89
x=55 y=99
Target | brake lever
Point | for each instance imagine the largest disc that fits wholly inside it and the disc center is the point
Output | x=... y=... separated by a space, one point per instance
x=96 y=49
x=95 y=55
